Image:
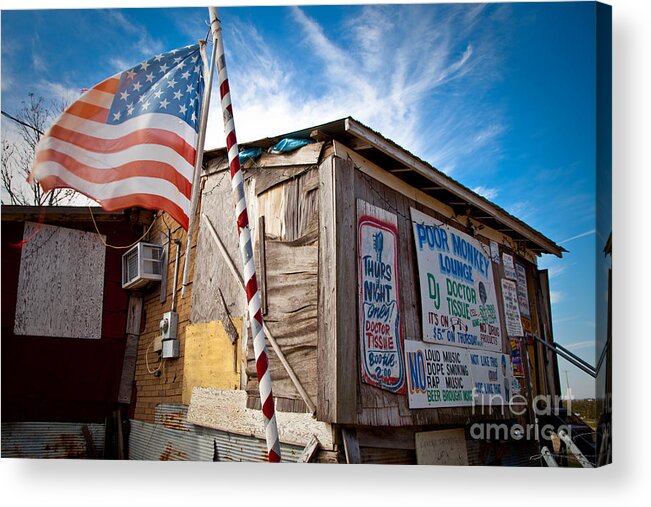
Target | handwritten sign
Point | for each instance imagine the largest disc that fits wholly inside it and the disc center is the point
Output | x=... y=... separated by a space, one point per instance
x=458 y=301
x=509 y=268
x=437 y=376
x=495 y=252
x=523 y=290
x=511 y=309
x=442 y=376
x=491 y=377
x=442 y=447
x=379 y=304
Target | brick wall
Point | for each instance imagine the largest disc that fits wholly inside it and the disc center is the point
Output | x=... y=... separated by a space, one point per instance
x=152 y=389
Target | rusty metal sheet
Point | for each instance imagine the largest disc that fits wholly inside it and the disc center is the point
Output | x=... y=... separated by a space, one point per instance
x=173 y=438
x=52 y=440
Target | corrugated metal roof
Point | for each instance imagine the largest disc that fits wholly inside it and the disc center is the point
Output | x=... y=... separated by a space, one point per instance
x=173 y=438
x=52 y=440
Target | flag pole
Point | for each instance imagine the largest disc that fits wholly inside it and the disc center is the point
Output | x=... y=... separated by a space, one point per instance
x=246 y=249
x=203 y=124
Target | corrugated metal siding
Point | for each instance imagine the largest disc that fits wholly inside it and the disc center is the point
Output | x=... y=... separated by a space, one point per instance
x=52 y=440
x=232 y=447
x=173 y=438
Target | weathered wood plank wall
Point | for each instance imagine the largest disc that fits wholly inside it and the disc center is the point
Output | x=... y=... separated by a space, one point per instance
x=286 y=198
x=291 y=271
x=368 y=405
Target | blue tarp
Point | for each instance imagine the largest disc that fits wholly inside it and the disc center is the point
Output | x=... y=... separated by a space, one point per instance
x=289 y=144
x=249 y=153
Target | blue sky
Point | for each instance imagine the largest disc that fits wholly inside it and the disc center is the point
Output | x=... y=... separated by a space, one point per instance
x=500 y=97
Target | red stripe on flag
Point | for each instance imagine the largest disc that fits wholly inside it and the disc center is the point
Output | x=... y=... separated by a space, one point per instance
x=88 y=111
x=142 y=136
x=109 y=85
x=141 y=168
x=258 y=316
x=148 y=201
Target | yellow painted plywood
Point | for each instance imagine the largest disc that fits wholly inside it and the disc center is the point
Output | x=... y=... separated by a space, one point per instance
x=210 y=358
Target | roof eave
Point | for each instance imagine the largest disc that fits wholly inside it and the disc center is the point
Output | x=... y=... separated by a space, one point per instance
x=393 y=150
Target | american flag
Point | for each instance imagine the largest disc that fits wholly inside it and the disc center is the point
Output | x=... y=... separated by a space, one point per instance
x=131 y=139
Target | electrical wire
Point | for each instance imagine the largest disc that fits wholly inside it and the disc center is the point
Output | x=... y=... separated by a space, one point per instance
x=114 y=246
x=160 y=362
x=22 y=123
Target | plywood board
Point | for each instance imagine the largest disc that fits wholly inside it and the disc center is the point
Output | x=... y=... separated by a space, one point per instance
x=61 y=283
x=209 y=358
x=211 y=269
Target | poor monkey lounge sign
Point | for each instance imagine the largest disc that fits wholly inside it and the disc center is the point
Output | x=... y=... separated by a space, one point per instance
x=459 y=305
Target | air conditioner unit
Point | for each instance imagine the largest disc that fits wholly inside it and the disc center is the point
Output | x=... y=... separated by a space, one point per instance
x=141 y=265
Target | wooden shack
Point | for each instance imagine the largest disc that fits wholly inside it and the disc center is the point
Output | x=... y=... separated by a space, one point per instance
x=399 y=305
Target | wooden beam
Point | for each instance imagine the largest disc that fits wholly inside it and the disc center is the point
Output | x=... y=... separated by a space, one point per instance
x=134 y=315
x=317 y=135
x=377 y=173
x=337 y=338
x=401 y=170
x=393 y=150
x=432 y=188
x=359 y=144
x=225 y=318
x=262 y=264
x=351 y=446
x=310 y=451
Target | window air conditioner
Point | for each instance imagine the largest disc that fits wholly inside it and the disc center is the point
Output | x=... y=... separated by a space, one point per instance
x=142 y=264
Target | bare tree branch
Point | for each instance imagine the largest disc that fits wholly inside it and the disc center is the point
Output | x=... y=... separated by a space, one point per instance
x=34 y=116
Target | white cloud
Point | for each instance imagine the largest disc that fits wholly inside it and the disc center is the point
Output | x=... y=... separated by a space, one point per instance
x=385 y=71
x=489 y=193
x=521 y=209
x=578 y=236
x=145 y=45
x=556 y=296
x=57 y=92
x=38 y=63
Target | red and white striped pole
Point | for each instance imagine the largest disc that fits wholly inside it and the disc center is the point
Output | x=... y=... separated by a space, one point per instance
x=246 y=248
